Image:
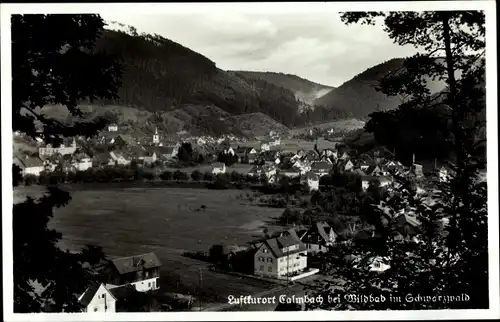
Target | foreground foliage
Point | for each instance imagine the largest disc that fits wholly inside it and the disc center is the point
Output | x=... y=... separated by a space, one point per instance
x=53 y=63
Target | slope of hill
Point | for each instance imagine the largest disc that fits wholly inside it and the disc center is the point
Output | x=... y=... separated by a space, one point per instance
x=304 y=90
x=190 y=119
x=161 y=76
x=359 y=97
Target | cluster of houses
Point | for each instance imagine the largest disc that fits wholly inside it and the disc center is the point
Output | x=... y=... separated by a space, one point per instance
x=123 y=278
x=310 y=166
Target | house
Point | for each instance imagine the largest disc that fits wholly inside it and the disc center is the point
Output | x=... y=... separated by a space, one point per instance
x=167 y=152
x=265 y=146
x=271 y=158
x=290 y=173
x=82 y=162
x=312 y=156
x=244 y=153
x=97 y=298
x=302 y=166
x=274 y=141
x=311 y=180
x=373 y=170
x=62 y=149
x=218 y=167
x=348 y=165
x=140 y=271
x=228 y=150
x=417 y=170
x=269 y=170
x=118 y=158
x=381 y=181
x=150 y=157
x=319 y=237
x=329 y=154
x=321 y=168
x=280 y=257
x=31 y=165
x=113 y=127
x=374 y=264
x=345 y=156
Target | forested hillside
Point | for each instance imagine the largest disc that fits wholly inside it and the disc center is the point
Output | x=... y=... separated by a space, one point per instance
x=358 y=97
x=303 y=89
x=161 y=75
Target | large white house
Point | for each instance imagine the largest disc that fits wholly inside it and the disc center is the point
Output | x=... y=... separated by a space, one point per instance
x=30 y=165
x=62 y=150
x=141 y=271
x=113 y=127
x=279 y=257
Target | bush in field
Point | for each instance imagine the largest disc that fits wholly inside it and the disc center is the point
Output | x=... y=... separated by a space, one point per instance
x=148 y=175
x=196 y=175
x=166 y=175
x=208 y=176
x=180 y=176
x=30 y=179
x=221 y=182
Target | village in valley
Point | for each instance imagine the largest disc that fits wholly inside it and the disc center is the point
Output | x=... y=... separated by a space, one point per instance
x=273 y=166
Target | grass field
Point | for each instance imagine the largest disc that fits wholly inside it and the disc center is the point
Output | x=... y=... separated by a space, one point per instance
x=166 y=221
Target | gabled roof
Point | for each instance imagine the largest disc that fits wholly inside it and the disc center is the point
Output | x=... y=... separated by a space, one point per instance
x=323 y=230
x=123 y=292
x=371 y=169
x=130 y=264
x=90 y=293
x=321 y=165
x=312 y=176
x=277 y=244
x=359 y=172
x=32 y=162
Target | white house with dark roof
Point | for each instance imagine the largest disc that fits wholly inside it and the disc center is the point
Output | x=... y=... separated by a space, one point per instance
x=321 y=168
x=113 y=127
x=97 y=299
x=30 y=165
x=140 y=271
x=279 y=257
x=218 y=167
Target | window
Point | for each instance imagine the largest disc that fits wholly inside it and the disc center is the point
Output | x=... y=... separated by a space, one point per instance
x=149 y=284
x=270 y=269
x=270 y=260
x=282 y=259
x=261 y=259
x=147 y=274
x=376 y=265
x=261 y=267
x=265 y=250
x=96 y=309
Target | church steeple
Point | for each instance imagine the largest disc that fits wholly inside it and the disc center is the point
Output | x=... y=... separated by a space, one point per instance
x=156 y=137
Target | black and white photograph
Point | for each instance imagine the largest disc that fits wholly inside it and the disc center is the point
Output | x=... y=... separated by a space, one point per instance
x=180 y=159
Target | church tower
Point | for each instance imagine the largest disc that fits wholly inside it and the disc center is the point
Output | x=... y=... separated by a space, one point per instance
x=156 y=137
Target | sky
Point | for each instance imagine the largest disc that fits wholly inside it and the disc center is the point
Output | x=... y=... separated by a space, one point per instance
x=316 y=46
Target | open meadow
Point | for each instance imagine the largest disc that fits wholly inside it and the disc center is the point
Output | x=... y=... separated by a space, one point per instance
x=167 y=221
